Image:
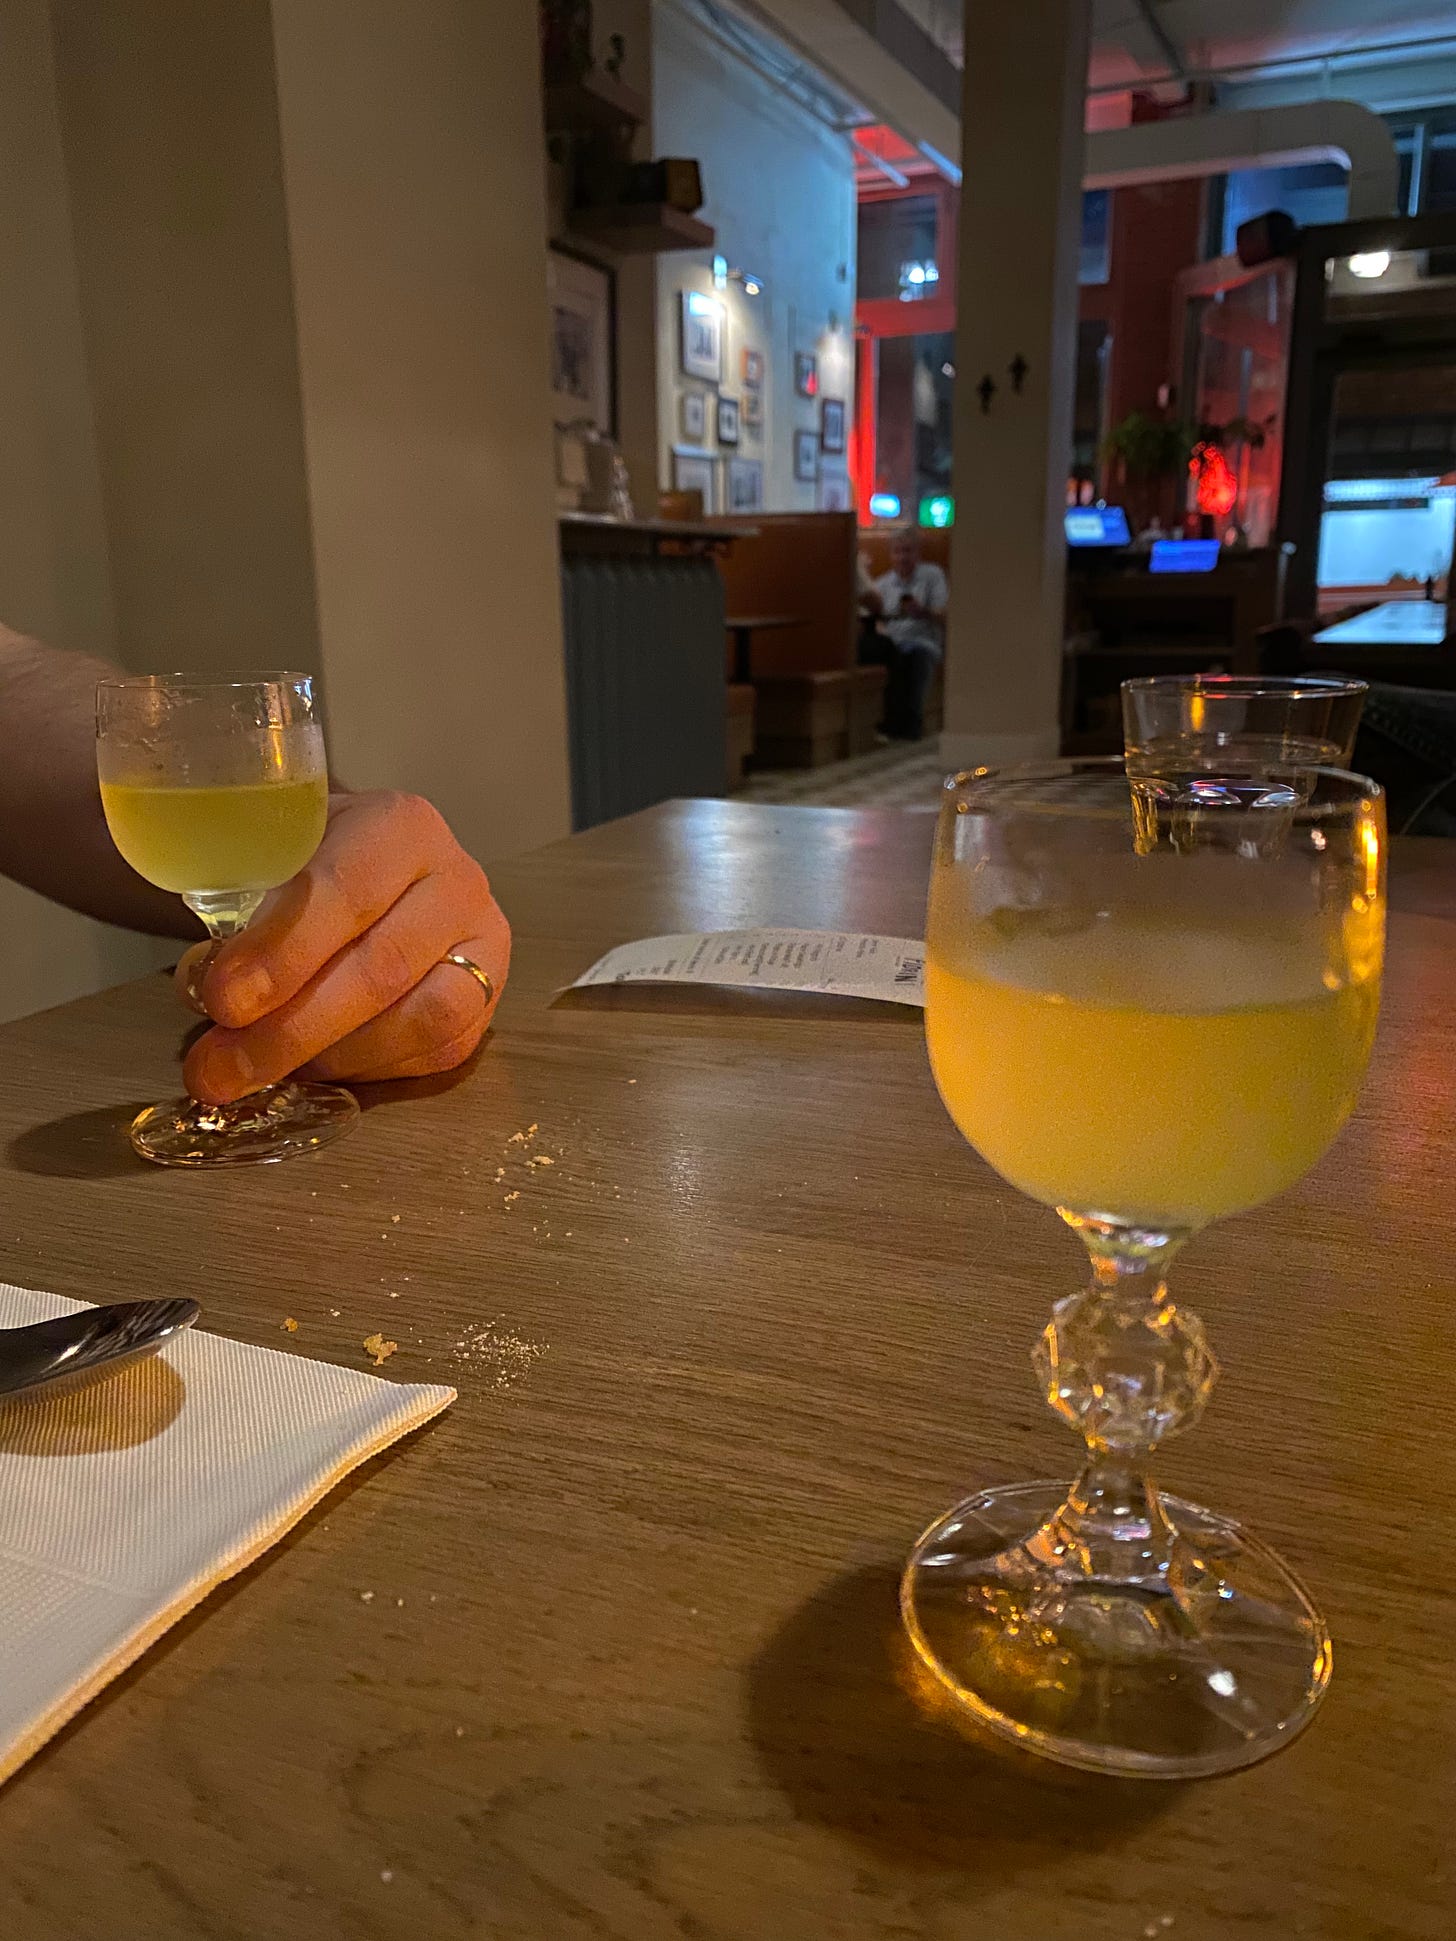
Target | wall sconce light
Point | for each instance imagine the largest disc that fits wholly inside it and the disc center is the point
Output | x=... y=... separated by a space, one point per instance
x=1370 y=262
x=752 y=285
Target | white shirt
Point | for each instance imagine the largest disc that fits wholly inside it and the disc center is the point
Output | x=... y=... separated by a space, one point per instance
x=927 y=584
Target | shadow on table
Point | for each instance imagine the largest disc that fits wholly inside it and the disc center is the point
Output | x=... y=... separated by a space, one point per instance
x=82 y=1145
x=94 y=1144
x=860 y=1740
x=131 y=1407
x=733 y=1000
x=400 y=1091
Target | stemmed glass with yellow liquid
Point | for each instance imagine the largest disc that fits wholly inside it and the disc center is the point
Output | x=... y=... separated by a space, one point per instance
x=1148 y=1009
x=217 y=789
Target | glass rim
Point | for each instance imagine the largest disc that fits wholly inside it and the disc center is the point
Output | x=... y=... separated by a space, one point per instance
x=239 y=678
x=1357 y=790
x=1250 y=687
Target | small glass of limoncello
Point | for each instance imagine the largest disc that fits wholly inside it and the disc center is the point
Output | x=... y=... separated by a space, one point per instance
x=217 y=790
x=1146 y=1009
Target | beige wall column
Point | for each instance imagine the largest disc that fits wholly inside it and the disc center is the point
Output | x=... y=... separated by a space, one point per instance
x=1020 y=216
x=170 y=124
x=274 y=386
x=414 y=172
x=54 y=580
x=311 y=246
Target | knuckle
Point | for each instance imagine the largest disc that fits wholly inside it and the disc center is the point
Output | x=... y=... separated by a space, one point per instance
x=449 y=1008
x=278 y=1048
x=415 y=816
x=387 y=970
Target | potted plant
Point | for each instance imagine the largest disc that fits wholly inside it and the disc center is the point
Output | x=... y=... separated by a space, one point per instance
x=1147 y=457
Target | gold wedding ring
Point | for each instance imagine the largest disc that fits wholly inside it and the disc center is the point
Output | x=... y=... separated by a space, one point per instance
x=482 y=978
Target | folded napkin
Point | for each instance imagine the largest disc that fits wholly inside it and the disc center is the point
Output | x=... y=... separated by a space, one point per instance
x=123 y=1504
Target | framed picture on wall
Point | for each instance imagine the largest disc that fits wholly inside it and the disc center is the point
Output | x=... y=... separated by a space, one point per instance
x=581 y=301
x=692 y=416
x=806 y=374
x=751 y=412
x=695 y=472
x=727 y=421
x=702 y=335
x=806 y=456
x=834 y=492
x=753 y=370
x=745 y=485
x=831 y=426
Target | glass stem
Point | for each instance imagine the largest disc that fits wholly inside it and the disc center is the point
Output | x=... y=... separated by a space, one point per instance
x=1122 y=1364
x=225 y=912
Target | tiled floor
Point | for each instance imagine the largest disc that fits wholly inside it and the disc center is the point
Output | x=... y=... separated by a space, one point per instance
x=900 y=776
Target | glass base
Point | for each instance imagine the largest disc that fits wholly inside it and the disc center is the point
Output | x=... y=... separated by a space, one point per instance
x=266 y=1126
x=1216 y=1662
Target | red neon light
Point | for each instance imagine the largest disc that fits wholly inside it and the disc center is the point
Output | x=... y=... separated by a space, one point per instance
x=1215 y=487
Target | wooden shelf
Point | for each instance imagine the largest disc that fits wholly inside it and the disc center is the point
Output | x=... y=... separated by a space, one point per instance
x=640 y=228
x=597 y=101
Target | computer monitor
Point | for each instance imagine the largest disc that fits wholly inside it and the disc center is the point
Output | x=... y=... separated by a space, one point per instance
x=1184 y=555
x=1097 y=525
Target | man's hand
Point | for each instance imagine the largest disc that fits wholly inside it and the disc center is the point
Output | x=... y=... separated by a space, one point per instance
x=341 y=970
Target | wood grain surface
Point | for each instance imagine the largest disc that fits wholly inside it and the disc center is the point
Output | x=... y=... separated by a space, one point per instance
x=630 y=1666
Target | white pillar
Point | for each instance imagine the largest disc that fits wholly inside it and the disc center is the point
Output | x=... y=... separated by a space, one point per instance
x=413 y=158
x=311 y=247
x=1020 y=226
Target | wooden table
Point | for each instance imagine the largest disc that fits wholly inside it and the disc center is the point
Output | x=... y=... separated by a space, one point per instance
x=631 y=1666
x=743 y=627
x=1394 y=623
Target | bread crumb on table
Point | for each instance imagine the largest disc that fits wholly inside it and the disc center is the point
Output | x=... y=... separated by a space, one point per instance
x=379 y=1349
x=289 y=1325
x=499 y=1353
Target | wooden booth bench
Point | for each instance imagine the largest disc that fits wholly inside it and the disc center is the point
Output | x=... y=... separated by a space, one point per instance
x=813 y=702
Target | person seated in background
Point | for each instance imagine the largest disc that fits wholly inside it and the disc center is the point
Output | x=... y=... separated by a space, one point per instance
x=908 y=604
x=340 y=974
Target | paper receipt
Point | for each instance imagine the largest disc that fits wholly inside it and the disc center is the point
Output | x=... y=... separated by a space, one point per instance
x=841 y=962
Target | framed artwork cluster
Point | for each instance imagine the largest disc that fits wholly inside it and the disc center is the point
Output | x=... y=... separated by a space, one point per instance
x=828 y=440
x=716 y=417
x=740 y=479
x=722 y=410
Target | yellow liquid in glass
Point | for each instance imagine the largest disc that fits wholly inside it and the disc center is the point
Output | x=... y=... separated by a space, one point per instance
x=1110 y=1073
x=218 y=837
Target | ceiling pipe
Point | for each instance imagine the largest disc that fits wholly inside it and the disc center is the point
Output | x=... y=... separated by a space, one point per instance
x=1166 y=45
x=1335 y=58
x=867 y=155
x=1212 y=144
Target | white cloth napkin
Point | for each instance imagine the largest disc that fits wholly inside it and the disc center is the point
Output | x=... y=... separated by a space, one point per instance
x=123 y=1504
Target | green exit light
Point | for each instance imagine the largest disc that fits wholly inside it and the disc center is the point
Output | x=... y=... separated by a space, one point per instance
x=938 y=510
